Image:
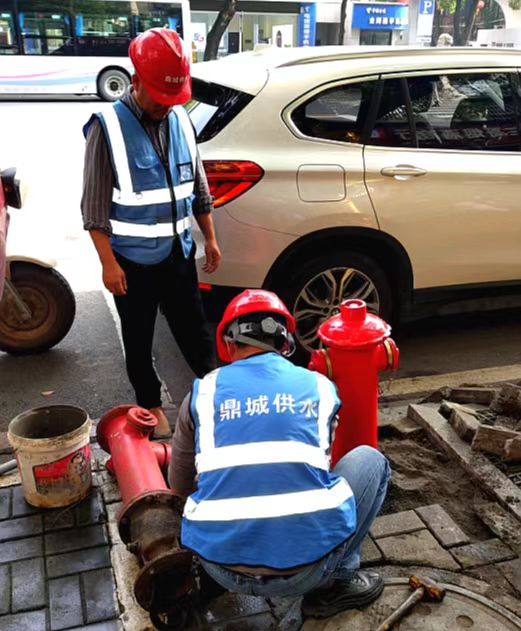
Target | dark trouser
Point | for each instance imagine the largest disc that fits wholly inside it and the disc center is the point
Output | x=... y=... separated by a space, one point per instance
x=171 y=284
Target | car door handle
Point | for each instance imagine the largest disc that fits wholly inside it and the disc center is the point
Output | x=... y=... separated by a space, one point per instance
x=403 y=171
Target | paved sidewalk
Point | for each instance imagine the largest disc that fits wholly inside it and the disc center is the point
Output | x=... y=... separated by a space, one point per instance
x=55 y=567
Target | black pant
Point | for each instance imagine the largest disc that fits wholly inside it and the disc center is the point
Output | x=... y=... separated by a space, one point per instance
x=173 y=285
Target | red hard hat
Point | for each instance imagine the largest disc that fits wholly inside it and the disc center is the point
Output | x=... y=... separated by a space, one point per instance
x=250 y=301
x=163 y=65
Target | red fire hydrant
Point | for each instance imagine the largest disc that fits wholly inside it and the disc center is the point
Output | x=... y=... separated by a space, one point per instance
x=359 y=347
x=149 y=521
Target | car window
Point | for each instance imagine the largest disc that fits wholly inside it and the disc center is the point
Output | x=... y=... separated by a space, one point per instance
x=214 y=106
x=336 y=114
x=392 y=127
x=468 y=111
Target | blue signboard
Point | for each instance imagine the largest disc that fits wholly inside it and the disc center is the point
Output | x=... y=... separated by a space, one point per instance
x=381 y=16
x=307 y=24
x=426 y=7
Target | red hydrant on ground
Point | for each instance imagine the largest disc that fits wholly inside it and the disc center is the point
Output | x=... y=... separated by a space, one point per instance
x=359 y=347
x=149 y=521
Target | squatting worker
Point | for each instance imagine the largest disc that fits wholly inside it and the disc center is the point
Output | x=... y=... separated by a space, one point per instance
x=143 y=179
x=251 y=454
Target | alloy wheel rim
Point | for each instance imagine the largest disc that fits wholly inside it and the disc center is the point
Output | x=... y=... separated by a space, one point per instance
x=322 y=295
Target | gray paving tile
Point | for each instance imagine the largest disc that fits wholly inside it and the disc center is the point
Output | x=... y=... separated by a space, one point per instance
x=396 y=524
x=79 y=561
x=511 y=570
x=65 y=603
x=482 y=553
x=19 y=506
x=417 y=548
x=29 y=621
x=58 y=520
x=370 y=553
x=20 y=527
x=442 y=526
x=5 y=503
x=99 y=595
x=5 y=589
x=21 y=549
x=28 y=585
x=76 y=539
x=90 y=511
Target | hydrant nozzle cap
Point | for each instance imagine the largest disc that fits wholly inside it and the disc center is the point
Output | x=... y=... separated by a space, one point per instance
x=141 y=419
x=353 y=327
x=353 y=311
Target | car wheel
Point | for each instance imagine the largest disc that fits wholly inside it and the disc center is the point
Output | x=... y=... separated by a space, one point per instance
x=319 y=286
x=112 y=84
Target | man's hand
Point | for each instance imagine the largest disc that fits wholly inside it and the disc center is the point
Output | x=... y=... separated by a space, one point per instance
x=114 y=279
x=213 y=256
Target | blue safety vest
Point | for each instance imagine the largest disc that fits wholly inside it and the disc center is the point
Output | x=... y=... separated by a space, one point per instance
x=147 y=209
x=265 y=496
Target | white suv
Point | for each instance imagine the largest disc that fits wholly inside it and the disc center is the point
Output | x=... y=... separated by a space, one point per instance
x=392 y=175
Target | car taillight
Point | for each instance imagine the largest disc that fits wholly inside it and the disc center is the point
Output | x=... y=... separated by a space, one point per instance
x=230 y=178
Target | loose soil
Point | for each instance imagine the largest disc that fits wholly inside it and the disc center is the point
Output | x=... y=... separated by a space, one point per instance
x=423 y=475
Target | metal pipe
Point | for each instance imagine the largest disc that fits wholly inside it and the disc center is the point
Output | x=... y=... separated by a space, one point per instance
x=7 y=466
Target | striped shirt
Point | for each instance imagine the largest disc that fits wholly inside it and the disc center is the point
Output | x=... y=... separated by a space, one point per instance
x=98 y=176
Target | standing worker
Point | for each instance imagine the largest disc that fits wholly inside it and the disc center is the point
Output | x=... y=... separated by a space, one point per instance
x=250 y=453
x=143 y=180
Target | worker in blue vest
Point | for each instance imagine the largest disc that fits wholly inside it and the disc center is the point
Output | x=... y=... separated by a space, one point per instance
x=143 y=181
x=250 y=453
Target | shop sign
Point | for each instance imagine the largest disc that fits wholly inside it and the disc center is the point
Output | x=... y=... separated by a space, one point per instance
x=380 y=17
x=307 y=24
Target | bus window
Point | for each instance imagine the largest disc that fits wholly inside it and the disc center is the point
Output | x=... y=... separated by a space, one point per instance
x=42 y=31
x=8 y=45
x=102 y=19
x=155 y=14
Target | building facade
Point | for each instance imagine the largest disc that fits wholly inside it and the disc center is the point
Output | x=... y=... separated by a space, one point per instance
x=276 y=22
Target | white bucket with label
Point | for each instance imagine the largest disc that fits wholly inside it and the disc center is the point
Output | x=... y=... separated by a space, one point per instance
x=52 y=448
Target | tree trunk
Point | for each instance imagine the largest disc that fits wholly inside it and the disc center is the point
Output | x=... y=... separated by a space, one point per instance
x=457 y=24
x=472 y=5
x=220 y=25
x=342 y=31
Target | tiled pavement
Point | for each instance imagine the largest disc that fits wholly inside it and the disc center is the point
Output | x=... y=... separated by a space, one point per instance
x=55 y=568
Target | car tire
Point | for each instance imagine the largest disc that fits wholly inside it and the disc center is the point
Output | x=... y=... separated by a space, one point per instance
x=51 y=302
x=318 y=286
x=112 y=84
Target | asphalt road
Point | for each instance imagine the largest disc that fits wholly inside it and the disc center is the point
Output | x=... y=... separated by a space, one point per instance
x=44 y=140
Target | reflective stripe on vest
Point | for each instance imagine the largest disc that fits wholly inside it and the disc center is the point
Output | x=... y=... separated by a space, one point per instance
x=127 y=229
x=159 y=196
x=269 y=506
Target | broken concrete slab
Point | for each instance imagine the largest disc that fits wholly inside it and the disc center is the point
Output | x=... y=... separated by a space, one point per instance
x=417 y=548
x=491 y=439
x=447 y=407
x=511 y=570
x=481 y=396
x=442 y=526
x=500 y=521
x=482 y=553
x=465 y=425
x=512 y=449
x=508 y=400
x=395 y=524
x=475 y=463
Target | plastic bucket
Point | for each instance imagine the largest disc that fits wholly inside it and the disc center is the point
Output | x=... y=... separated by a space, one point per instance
x=52 y=448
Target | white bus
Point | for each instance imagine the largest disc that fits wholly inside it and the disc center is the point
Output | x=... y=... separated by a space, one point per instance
x=77 y=46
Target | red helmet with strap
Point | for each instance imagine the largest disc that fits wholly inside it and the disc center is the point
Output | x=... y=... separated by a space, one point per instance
x=162 y=63
x=250 y=301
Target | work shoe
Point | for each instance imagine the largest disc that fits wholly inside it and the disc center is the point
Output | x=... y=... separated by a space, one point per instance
x=162 y=430
x=360 y=591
